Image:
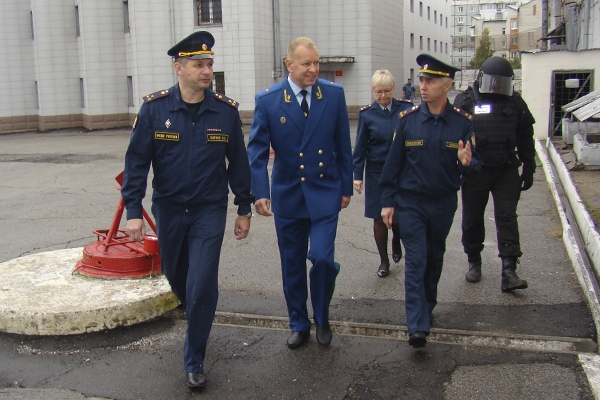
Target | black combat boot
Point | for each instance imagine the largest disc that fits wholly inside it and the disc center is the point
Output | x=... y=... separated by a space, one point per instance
x=510 y=279
x=474 y=274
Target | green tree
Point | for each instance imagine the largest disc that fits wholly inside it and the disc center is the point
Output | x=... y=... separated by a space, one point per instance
x=483 y=51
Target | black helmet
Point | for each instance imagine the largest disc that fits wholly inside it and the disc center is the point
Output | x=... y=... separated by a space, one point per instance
x=495 y=76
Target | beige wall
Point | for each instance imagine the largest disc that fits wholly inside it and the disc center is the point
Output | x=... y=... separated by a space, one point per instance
x=537 y=71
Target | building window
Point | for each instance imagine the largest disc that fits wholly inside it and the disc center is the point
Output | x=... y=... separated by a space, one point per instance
x=412 y=6
x=513 y=55
x=460 y=20
x=428 y=13
x=513 y=40
x=446 y=48
x=435 y=17
x=534 y=9
x=459 y=61
x=218 y=82
x=37 y=95
x=77 y=29
x=412 y=74
x=81 y=92
x=130 y=91
x=513 y=24
x=435 y=46
x=446 y=22
x=504 y=44
x=504 y=31
x=460 y=49
x=459 y=40
x=126 y=16
x=460 y=29
x=209 y=12
x=420 y=42
x=459 y=9
x=420 y=9
x=472 y=9
x=428 y=44
x=32 y=30
x=441 y=19
x=412 y=40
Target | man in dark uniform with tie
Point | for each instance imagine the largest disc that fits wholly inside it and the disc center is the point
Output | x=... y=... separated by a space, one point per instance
x=193 y=139
x=431 y=151
x=305 y=120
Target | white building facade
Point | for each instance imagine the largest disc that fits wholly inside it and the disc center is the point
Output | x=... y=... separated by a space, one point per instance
x=88 y=63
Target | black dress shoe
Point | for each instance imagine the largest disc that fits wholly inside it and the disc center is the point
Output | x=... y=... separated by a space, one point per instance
x=297 y=339
x=396 y=251
x=324 y=334
x=196 y=380
x=417 y=339
x=383 y=270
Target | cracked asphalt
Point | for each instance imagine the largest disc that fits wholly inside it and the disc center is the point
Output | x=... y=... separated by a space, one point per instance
x=56 y=187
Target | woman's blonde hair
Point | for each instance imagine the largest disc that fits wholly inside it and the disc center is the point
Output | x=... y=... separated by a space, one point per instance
x=383 y=77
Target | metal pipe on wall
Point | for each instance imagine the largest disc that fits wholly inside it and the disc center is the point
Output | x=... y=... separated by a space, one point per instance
x=276 y=72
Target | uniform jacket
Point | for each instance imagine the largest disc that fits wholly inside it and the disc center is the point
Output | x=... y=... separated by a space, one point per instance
x=187 y=155
x=312 y=168
x=375 y=134
x=525 y=144
x=423 y=158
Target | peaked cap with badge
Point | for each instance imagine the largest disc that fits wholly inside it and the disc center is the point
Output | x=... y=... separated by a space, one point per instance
x=434 y=68
x=196 y=46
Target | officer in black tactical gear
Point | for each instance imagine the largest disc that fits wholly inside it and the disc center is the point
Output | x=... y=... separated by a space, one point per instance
x=503 y=129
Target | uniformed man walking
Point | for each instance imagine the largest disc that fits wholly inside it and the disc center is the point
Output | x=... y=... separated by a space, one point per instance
x=305 y=120
x=432 y=149
x=192 y=136
x=504 y=135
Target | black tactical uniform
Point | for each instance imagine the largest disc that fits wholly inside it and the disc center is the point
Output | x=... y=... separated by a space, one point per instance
x=503 y=129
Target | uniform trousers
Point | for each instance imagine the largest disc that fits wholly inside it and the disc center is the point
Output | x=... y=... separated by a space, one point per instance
x=425 y=224
x=505 y=186
x=190 y=247
x=293 y=235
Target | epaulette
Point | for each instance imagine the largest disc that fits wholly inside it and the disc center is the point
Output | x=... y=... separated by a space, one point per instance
x=156 y=95
x=405 y=101
x=365 y=107
x=462 y=112
x=409 y=111
x=227 y=100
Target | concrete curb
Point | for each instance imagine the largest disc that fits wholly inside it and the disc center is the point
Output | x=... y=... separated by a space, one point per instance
x=39 y=295
x=447 y=336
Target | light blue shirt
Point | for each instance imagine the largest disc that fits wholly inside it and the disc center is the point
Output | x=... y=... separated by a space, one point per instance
x=296 y=89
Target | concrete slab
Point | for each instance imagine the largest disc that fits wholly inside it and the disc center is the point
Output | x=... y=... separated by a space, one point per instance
x=39 y=295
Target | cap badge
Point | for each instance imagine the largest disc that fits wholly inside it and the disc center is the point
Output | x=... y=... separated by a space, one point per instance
x=168 y=123
x=426 y=66
x=204 y=47
x=282 y=120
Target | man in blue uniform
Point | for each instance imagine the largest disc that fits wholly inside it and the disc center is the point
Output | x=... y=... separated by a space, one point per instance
x=408 y=90
x=192 y=136
x=305 y=120
x=432 y=149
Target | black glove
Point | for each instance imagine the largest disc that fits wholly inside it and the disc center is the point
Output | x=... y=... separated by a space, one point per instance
x=527 y=178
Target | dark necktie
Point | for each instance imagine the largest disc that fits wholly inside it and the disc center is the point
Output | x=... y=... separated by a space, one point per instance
x=386 y=111
x=304 y=103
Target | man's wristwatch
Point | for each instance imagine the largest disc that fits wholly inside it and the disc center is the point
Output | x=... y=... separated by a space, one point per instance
x=249 y=215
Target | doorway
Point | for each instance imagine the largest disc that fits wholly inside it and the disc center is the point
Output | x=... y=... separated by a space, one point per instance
x=567 y=86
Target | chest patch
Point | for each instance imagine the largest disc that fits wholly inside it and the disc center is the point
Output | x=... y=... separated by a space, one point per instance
x=172 y=136
x=219 y=138
x=483 y=109
x=414 y=143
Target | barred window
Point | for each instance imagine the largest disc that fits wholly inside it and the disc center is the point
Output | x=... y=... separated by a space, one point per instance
x=218 y=82
x=208 y=12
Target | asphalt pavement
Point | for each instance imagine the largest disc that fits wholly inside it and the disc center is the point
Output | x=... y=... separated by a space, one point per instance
x=56 y=187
